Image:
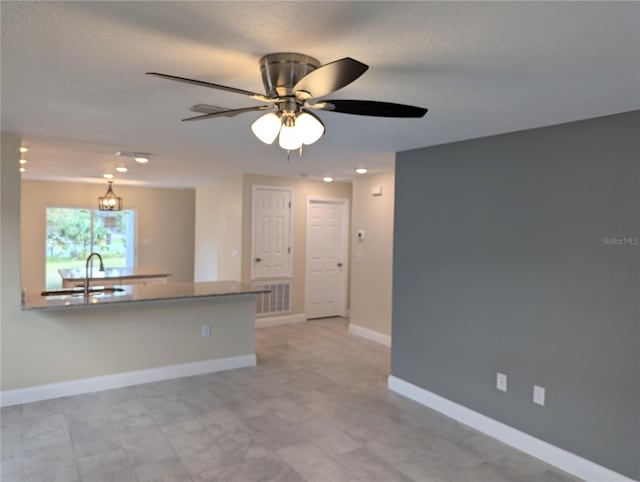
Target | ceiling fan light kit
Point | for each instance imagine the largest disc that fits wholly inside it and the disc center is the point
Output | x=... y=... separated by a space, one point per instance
x=294 y=129
x=292 y=83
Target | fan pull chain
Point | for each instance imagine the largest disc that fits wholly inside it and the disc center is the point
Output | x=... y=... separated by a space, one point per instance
x=300 y=152
x=288 y=155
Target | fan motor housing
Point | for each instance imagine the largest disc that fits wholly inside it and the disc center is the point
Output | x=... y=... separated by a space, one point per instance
x=281 y=71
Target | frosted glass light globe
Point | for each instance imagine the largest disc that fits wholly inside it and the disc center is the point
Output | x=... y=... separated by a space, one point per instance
x=310 y=127
x=290 y=138
x=266 y=128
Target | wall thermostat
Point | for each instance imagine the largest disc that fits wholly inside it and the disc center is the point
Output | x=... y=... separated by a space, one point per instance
x=360 y=234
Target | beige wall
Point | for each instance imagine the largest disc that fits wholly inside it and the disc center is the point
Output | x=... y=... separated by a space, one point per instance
x=230 y=232
x=164 y=219
x=218 y=236
x=372 y=258
x=301 y=190
x=9 y=233
x=57 y=346
x=206 y=233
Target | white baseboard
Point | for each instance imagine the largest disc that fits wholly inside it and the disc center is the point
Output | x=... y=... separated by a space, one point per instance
x=280 y=320
x=118 y=380
x=564 y=460
x=370 y=334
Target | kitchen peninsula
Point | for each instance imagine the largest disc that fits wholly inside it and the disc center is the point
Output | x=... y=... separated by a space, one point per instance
x=142 y=334
x=139 y=293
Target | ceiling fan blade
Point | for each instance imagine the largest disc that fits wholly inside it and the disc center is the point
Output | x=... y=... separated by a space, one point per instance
x=202 y=83
x=371 y=108
x=330 y=77
x=229 y=113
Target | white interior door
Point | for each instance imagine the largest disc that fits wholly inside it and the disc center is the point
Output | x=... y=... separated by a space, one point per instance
x=271 y=250
x=326 y=257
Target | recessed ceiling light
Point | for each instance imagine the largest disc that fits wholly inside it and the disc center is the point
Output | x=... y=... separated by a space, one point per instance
x=23 y=169
x=24 y=149
x=23 y=161
x=107 y=175
x=327 y=179
x=121 y=169
x=361 y=170
x=141 y=157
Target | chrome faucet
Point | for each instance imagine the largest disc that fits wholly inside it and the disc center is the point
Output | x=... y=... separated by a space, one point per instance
x=86 y=271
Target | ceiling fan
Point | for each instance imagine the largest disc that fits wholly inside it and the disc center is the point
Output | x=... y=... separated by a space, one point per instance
x=294 y=84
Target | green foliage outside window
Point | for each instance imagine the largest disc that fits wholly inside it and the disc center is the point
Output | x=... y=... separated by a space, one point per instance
x=74 y=233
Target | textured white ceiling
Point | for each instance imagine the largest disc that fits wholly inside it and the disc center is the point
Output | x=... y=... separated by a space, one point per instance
x=73 y=78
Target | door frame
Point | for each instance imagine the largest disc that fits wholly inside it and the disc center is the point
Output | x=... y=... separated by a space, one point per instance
x=346 y=216
x=257 y=187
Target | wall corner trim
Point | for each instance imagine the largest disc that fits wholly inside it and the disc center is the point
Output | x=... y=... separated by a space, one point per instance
x=118 y=380
x=560 y=458
x=371 y=335
x=280 y=320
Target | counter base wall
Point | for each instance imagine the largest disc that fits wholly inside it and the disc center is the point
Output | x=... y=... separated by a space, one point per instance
x=60 y=353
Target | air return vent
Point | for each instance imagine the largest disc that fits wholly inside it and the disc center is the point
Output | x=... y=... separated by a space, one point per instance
x=277 y=301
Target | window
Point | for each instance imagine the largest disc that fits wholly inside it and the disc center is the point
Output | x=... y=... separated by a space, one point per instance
x=73 y=233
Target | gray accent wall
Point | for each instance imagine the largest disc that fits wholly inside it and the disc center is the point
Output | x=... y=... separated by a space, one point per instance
x=509 y=257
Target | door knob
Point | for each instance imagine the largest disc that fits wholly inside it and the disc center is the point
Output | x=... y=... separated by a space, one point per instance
x=258 y=260
x=339 y=265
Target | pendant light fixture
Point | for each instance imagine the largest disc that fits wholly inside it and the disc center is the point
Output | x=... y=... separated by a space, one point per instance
x=110 y=202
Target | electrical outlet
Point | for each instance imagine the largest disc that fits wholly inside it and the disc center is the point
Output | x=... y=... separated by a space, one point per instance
x=501 y=382
x=205 y=331
x=538 y=395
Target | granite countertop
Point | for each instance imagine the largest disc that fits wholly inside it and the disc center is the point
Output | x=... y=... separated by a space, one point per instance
x=123 y=272
x=139 y=293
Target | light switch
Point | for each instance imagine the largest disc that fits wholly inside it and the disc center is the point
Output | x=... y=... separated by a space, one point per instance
x=360 y=234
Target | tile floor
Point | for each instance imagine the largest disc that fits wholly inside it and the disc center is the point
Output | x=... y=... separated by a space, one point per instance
x=315 y=409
